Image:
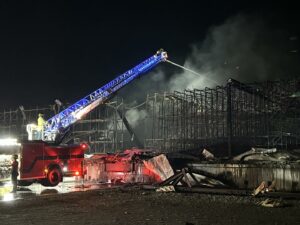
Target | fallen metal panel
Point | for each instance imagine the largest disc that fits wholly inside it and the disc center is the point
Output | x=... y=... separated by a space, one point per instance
x=249 y=176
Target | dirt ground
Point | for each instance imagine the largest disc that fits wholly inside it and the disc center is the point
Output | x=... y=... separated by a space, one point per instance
x=135 y=206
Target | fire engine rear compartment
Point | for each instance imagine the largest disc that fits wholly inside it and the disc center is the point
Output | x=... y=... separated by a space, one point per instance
x=40 y=161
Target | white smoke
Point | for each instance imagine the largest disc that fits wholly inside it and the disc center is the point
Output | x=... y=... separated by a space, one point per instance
x=134 y=116
x=245 y=47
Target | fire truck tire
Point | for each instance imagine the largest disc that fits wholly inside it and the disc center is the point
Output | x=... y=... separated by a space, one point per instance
x=54 y=177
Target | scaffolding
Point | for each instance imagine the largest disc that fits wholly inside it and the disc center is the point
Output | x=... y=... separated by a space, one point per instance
x=236 y=115
x=102 y=129
x=226 y=117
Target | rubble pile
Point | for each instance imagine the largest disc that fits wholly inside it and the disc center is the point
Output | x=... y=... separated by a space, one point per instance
x=206 y=173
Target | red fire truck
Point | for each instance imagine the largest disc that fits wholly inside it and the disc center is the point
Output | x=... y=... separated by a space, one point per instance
x=44 y=158
x=48 y=163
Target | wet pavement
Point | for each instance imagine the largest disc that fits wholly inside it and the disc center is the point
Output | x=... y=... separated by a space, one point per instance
x=36 y=189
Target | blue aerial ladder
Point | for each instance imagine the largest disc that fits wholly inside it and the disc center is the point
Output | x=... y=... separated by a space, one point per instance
x=56 y=126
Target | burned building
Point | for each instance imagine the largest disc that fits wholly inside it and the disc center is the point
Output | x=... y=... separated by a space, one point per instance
x=225 y=118
x=236 y=115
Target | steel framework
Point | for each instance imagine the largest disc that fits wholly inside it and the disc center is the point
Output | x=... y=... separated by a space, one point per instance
x=102 y=129
x=259 y=114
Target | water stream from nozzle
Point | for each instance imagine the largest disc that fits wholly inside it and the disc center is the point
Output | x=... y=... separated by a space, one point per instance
x=191 y=71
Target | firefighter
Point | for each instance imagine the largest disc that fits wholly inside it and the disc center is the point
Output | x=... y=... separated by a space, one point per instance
x=14 y=172
x=41 y=123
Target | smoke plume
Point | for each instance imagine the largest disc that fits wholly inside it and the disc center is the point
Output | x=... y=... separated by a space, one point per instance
x=134 y=116
x=247 y=48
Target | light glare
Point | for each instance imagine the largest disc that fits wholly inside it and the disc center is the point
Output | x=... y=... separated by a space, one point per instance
x=9 y=142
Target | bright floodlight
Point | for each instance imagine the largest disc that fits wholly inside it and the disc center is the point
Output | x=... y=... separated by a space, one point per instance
x=9 y=142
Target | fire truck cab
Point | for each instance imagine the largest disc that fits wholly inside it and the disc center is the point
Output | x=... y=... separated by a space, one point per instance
x=47 y=163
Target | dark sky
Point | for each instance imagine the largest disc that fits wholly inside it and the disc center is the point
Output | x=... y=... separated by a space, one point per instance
x=66 y=49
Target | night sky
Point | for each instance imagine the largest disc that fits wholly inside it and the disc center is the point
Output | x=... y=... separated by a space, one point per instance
x=67 y=49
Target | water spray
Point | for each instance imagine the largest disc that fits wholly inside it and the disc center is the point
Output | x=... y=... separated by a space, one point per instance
x=191 y=71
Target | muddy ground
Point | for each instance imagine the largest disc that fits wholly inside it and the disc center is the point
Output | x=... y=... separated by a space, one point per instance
x=135 y=206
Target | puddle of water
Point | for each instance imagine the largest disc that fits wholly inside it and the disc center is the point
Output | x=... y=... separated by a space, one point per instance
x=9 y=197
x=5 y=193
x=68 y=185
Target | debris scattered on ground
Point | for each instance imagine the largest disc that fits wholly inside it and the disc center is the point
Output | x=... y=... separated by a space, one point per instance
x=138 y=166
x=272 y=187
x=159 y=165
x=188 y=178
x=263 y=187
x=208 y=155
x=169 y=188
x=173 y=180
x=259 y=189
x=272 y=203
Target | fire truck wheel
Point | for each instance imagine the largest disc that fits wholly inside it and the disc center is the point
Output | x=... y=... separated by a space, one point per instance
x=54 y=177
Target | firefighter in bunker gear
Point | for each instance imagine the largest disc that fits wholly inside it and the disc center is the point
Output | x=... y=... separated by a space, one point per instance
x=40 y=126
x=14 y=173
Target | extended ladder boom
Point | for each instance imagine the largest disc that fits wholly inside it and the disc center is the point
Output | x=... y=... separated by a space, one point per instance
x=75 y=112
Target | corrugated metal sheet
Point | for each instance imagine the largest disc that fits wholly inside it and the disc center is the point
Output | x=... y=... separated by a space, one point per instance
x=249 y=176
